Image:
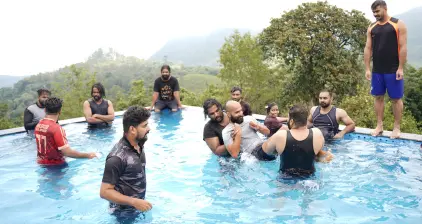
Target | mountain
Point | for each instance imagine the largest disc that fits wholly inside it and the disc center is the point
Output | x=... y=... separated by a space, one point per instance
x=413 y=22
x=9 y=80
x=195 y=50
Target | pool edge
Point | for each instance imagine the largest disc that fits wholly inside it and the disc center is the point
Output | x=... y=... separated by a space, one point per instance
x=358 y=130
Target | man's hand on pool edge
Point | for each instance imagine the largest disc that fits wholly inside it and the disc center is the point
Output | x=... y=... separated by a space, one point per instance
x=141 y=205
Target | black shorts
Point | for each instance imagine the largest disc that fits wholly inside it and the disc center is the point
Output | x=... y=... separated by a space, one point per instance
x=261 y=155
x=160 y=104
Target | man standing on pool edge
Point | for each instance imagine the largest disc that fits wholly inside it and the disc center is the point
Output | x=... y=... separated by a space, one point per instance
x=166 y=92
x=124 y=180
x=387 y=43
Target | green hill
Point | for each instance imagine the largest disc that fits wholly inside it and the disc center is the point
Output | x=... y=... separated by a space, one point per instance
x=9 y=80
x=197 y=83
x=196 y=50
x=413 y=21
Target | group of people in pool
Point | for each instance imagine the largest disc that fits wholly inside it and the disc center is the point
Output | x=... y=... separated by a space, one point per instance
x=231 y=131
x=298 y=139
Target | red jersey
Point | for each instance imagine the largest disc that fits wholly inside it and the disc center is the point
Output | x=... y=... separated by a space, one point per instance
x=50 y=138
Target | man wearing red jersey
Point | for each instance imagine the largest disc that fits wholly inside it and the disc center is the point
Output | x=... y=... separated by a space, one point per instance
x=51 y=139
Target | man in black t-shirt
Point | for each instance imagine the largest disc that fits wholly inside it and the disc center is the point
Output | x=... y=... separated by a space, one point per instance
x=124 y=179
x=166 y=92
x=214 y=127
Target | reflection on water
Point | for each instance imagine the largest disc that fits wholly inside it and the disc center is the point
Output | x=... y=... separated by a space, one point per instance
x=167 y=122
x=53 y=182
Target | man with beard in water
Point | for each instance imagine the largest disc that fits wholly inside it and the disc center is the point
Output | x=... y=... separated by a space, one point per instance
x=214 y=127
x=35 y=112
x=326 y=117
x=241 y=136
x=124 y=180
x=98 y=111
x=166 y=92
x=298 y=147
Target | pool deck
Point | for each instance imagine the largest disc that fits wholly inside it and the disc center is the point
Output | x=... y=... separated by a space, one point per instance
x=358 y=130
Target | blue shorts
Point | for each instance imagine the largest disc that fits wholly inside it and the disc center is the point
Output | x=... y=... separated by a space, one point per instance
x=382 y=82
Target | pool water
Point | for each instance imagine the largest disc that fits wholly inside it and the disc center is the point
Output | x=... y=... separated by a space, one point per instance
x=369 y=181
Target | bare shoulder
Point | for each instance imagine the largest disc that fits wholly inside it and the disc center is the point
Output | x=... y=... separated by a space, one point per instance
x=341 y=112
x=280 y=134
x=86 y=103
x=313 y=108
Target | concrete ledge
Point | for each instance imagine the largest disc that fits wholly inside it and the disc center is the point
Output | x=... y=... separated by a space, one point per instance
x=358 y=130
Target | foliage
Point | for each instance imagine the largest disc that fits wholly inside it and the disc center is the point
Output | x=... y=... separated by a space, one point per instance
x=74 y=88
x=320 y=45
x=413 y=92
x=115 y=71
x=4 y=121
x=243 y=66
x=360 y=108
x=198 y=82
x=136 y=96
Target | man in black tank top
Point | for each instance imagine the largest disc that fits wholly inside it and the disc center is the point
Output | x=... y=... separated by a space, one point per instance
x=98 y=111
x=387 y=44
x=326 y=117
x=298 y=147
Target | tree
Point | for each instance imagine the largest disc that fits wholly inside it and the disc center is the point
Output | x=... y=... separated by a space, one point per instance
x=4 y=121
x=413 y=92
x=136 y=96
x=320 y=45
x=243 y=66
x=74 y=88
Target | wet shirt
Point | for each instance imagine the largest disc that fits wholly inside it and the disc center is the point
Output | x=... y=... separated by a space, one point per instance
x=213 y=129
x=32 y=115
x=250 y=138
x=125 y=169
x=50 y=138
x=327 y=123
x=298 y=157
x=166 y=89
x=273 y=124
x=101 y=109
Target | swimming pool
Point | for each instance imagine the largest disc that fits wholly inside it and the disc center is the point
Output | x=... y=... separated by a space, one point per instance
x=370 y=180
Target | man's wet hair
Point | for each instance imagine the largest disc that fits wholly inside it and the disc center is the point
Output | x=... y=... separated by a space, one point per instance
x=165 y=67
x=299 y=114
x=327 y=91
x=209 y=103
x=134 y=116
x=42 y=91
x=269 y=106
x=53 y=105
x=100 y=88
x=236 y=88
x=378 y=3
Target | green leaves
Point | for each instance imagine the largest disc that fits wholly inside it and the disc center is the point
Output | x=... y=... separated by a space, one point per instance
x=74 y=88
x=320 y=45
x=243 y=66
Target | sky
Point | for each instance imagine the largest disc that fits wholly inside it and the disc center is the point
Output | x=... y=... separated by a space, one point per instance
x=41 y=36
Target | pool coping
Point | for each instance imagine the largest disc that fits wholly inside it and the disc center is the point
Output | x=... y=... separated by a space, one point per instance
x=358 y=130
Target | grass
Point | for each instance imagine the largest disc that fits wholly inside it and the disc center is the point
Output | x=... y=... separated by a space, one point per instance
x=197 y=83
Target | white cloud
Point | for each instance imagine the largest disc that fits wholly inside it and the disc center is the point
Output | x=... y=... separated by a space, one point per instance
x=39 y=36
